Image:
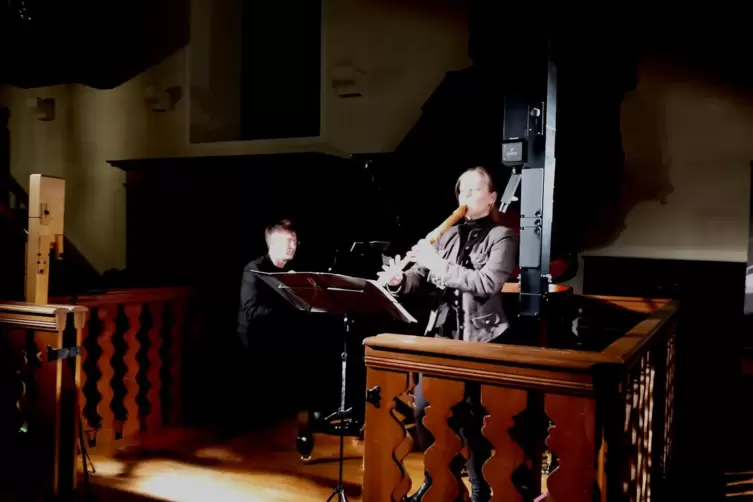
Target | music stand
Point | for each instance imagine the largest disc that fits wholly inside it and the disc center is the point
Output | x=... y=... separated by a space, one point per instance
x=339 y=295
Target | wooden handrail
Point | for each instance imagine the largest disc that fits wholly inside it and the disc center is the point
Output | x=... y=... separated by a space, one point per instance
x=502 y=364
x=624 y=349
x=41 y=317
x=131 y=295
x=630 y=347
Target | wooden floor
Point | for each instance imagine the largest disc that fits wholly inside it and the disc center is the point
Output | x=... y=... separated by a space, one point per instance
x=190 y=465
x=739 y=485
x=182 y=465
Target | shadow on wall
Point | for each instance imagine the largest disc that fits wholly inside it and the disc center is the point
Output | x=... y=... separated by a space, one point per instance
x=646 y=158
x=684 y=186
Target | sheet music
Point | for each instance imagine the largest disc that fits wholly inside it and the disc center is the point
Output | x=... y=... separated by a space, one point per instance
x=335 y=293
x=394 y=301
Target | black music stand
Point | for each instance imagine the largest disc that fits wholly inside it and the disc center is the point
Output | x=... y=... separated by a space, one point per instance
x=339 y=295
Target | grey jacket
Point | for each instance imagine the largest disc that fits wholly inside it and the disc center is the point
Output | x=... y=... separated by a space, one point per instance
x=493 y=259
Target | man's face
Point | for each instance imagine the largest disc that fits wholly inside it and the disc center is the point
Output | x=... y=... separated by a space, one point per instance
x=282 y=244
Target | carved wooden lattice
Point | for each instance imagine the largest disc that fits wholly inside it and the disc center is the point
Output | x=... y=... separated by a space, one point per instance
x=132 y=369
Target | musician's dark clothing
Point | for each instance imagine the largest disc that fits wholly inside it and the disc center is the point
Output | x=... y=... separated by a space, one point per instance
x=262 y=309
x=479 y=258
x=268 y=328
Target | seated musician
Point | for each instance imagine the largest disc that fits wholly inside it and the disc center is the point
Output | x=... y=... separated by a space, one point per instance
x=468 y=266
x=266 y=320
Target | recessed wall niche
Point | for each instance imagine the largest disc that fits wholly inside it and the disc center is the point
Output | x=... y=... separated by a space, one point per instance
x=255 y=70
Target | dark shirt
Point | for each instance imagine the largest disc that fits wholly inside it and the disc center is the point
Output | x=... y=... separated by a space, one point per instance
x=262 y=310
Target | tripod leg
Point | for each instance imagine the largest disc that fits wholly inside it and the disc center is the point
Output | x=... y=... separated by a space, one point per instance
x=340 y=492
x=305 y=438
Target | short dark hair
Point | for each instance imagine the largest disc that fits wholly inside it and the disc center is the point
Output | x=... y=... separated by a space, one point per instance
x=281 y=226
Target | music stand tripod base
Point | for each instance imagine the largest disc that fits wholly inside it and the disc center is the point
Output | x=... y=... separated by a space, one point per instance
x=342 y=296
x=342 y=413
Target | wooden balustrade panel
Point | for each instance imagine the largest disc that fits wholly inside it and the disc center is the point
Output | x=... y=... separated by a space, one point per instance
x=107 y=315
x=623 y=453
x=33 y=446
x=573 y=440
x=443 y=395
x=502 y=405
x=154 y=419
x=132 y=362
x=18 y=398
x=667 y=430
x=39 y=392
x=88 y=423
x=638 y=452
x=387 y=441
x=646 y=426
x=132 y=423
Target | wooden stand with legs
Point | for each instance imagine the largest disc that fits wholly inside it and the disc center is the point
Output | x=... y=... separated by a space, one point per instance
x=49 y=337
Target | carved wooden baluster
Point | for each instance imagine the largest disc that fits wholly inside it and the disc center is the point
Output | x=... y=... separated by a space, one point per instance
x=669 y=384
x=648 y=421
x=82 y=400
x=387 y=442
x=658 y=398
x=502 y=404
x=442 y=395
x=176 y=349
x=631 y=435
x=154 y=420
x=627 y=438
x=107 y=314
x=572 y=439
x=638 y=431
x=76 y=392
x=131 y=425
x=406 y=446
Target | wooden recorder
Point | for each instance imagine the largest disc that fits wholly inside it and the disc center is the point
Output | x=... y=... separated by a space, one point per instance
x=433 y=236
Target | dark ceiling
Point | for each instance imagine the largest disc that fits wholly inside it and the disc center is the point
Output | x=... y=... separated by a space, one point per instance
x=101 y=44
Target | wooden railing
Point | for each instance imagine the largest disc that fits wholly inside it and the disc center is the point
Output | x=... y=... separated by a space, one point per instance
x=598 y=424
x=132 y=362
x=39 y=375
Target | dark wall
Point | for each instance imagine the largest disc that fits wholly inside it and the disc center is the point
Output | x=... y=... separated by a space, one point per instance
x=280 y=70
x=198 y=221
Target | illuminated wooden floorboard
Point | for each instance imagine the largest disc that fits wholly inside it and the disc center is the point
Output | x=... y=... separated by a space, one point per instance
x=263 y=466
x=739 y=485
